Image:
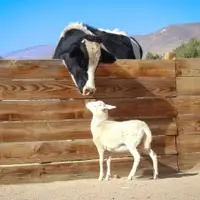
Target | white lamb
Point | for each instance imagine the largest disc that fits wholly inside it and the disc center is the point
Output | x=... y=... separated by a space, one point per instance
x=113 y=136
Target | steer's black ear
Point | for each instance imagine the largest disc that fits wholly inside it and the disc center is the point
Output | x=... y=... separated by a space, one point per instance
x=75 y=51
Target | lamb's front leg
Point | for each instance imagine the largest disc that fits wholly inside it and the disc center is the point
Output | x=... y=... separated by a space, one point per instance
x=101 y=154
x=108 y=168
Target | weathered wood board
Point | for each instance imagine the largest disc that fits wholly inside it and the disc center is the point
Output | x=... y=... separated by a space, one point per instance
x=29 y=131
x=189 y=161
x=64 y=89
x=44 y=124
x=17 y=69
x=188 y=86
x=187 y=67
x=75 y=109
x=82 y=169
x=64 y=150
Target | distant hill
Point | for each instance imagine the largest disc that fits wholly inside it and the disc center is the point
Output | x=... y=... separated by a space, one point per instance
x=35 y=52
x=168 y=38
x=163 y=40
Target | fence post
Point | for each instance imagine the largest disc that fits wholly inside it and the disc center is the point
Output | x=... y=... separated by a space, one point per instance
x=172 y=56
x=169 y=56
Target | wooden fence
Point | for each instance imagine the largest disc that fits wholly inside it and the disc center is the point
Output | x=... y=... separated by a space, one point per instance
x=44 y=125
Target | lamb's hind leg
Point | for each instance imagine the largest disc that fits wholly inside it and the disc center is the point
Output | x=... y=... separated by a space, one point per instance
x=154 y=159
x=136 y=162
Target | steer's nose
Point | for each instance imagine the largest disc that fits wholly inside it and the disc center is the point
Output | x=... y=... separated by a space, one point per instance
x=89 y=91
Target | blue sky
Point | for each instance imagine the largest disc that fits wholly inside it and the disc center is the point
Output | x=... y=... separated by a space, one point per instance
x=26 y=23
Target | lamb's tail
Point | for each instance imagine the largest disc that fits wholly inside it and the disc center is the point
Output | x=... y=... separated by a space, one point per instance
x=148 y=137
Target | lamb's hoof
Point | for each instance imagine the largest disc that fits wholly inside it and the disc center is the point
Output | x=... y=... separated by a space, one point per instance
x=100 y=178
x=116 y=176
x=155 y=177
x=130 y=178
x=107 y=178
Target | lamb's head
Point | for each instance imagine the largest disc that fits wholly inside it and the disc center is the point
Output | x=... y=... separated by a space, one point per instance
x=99 y=109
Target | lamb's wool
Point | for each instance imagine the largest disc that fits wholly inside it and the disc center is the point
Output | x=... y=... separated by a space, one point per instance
x=116 y=136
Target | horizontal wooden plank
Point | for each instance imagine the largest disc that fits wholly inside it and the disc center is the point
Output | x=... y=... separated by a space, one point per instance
x=82 y=169
x=55 y=69
x=135 y=87
x=58 y=151
x=67 y=129
x=45 y=130
x=187 y=104
x=142 y=107
x=188 y=67
x=188 y=124
x=14 y=69
x=138 y=68
x=106 y=88
x=188 y=143
x=188 y=85
x=189 y=161
x=127 y=108
x=38 y=89
x=41 y=110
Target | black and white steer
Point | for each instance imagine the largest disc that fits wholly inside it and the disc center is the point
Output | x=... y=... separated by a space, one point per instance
x=83 y=47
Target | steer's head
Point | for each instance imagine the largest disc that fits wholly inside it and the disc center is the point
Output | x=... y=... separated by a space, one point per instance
x=84 y=59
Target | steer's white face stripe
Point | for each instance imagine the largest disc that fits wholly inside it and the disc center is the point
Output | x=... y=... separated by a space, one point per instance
x=136 y=49
x=74 y=80
x=94 y=53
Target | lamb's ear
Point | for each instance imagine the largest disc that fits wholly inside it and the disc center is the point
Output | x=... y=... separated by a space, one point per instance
x=109 y=107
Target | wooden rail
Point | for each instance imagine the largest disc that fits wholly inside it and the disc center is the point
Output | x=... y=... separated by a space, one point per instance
x=44 y=125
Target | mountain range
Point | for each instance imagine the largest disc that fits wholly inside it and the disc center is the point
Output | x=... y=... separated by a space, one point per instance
x=160 y=41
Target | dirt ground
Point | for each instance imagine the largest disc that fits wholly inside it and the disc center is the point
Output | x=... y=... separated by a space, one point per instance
x=182 y=186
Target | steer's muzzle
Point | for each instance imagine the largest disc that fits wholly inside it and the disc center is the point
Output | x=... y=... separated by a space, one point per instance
x=89 y=91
